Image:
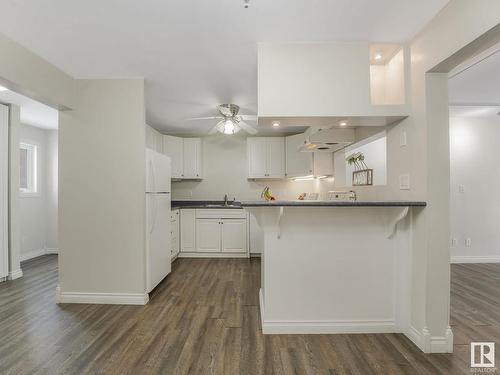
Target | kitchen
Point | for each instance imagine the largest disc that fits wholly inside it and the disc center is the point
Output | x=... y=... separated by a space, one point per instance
x=285 y=185
x=287 y=194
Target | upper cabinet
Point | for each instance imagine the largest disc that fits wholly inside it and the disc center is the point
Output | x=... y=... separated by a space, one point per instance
x=186 y=155
x=154 y=139
x=266 y=157
x=192 y=156
x=297 y=163
x=173 y=147
x=300 y=164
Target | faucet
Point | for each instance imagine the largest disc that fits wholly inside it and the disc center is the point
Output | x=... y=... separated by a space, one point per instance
x=225 y=200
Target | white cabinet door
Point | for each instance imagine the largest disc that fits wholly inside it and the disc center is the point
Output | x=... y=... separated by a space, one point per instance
x=323 y=164
x=297 y=163
x=208 y=235
x=188 y=230
x=173 y=147
x=257 y=157
x=234 y=235
x=192 y=158
x=276 y=157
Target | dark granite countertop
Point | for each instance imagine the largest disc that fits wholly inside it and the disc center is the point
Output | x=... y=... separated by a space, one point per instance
x=205 y=204
x=333 y=204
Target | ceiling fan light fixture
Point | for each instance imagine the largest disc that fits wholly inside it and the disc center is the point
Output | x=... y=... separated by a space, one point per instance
x=228 y=127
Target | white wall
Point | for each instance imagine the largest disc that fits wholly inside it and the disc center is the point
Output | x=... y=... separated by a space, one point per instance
x=37 y=220
x=475 y=212
x=101 y=193
x=319 y=79
x=374 y=150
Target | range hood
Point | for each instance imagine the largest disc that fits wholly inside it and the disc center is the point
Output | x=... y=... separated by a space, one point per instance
x=326 y=139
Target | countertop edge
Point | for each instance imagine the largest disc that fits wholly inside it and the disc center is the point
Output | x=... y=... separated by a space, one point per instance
x=335 y=204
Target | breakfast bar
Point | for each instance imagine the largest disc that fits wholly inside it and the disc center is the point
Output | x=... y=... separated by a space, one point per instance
x=335 y=267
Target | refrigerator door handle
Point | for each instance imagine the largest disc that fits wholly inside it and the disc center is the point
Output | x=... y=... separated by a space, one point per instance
x=154 y=212
x=153 y=177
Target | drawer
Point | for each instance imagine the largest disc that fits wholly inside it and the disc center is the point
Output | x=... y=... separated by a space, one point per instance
x=221 y=213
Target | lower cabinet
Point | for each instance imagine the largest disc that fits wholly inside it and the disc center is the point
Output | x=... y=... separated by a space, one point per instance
x=206 y=232
x=234 y=236
x=208 y=235
x=187 y=230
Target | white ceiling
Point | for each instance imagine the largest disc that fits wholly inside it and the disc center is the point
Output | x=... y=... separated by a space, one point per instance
x=478 y=85
x=32 y=112
x=195 y=54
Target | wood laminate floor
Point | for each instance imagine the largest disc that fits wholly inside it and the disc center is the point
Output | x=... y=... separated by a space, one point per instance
x=204 y=319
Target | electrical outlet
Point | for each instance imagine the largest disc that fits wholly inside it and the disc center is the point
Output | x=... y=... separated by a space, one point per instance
x=461 y=188
x=468 y=242
x=402 y=138
x=453 y=242
x=404 y=182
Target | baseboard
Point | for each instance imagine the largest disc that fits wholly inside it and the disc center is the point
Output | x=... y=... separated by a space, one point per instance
x=102 y=298
x=38 y=253
x=475 y=259
x=16 y=274
x=255 y=255
x=32 y=254
x=431 y=344
x=212 y=255
x=308 y=327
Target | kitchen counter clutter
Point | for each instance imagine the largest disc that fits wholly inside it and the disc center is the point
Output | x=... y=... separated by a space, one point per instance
x=335 y=270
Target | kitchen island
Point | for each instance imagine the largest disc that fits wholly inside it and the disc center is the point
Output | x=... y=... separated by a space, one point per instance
x=335 y=267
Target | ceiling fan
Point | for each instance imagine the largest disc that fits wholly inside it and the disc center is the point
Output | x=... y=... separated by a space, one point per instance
x=230 y=122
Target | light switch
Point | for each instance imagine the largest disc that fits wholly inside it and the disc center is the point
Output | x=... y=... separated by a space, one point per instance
x=404 y=182
x=468 y=242
x=461 y=188
x=453 y=242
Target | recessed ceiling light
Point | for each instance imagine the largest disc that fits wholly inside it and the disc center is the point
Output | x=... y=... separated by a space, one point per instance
x=343 y=123
x=3 y=88
x=276 y=124
x=378 y=56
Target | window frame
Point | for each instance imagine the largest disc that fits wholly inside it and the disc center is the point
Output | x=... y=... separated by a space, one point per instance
x=33 y=159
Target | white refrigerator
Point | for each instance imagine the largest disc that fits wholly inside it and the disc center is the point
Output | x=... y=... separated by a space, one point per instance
x=158 y=252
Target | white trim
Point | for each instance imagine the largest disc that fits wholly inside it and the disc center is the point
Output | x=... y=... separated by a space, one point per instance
x=102 y=298
x=16 y=274
x=469 y=63
x=38 y=253
x=4 y=190
x=32 y=254
x=431 y=344
x=277 y=327
x=475 y=259
x=212 y=255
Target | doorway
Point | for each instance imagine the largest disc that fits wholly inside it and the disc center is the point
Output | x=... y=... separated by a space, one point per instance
x=32 y=180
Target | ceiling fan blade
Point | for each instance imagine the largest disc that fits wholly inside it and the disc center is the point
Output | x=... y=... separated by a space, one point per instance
x=249 y=129
x=205 y=118
x=248 y=117
x=214 y=129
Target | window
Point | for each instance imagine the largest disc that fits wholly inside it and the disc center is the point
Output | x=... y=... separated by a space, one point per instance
x=28 y=154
